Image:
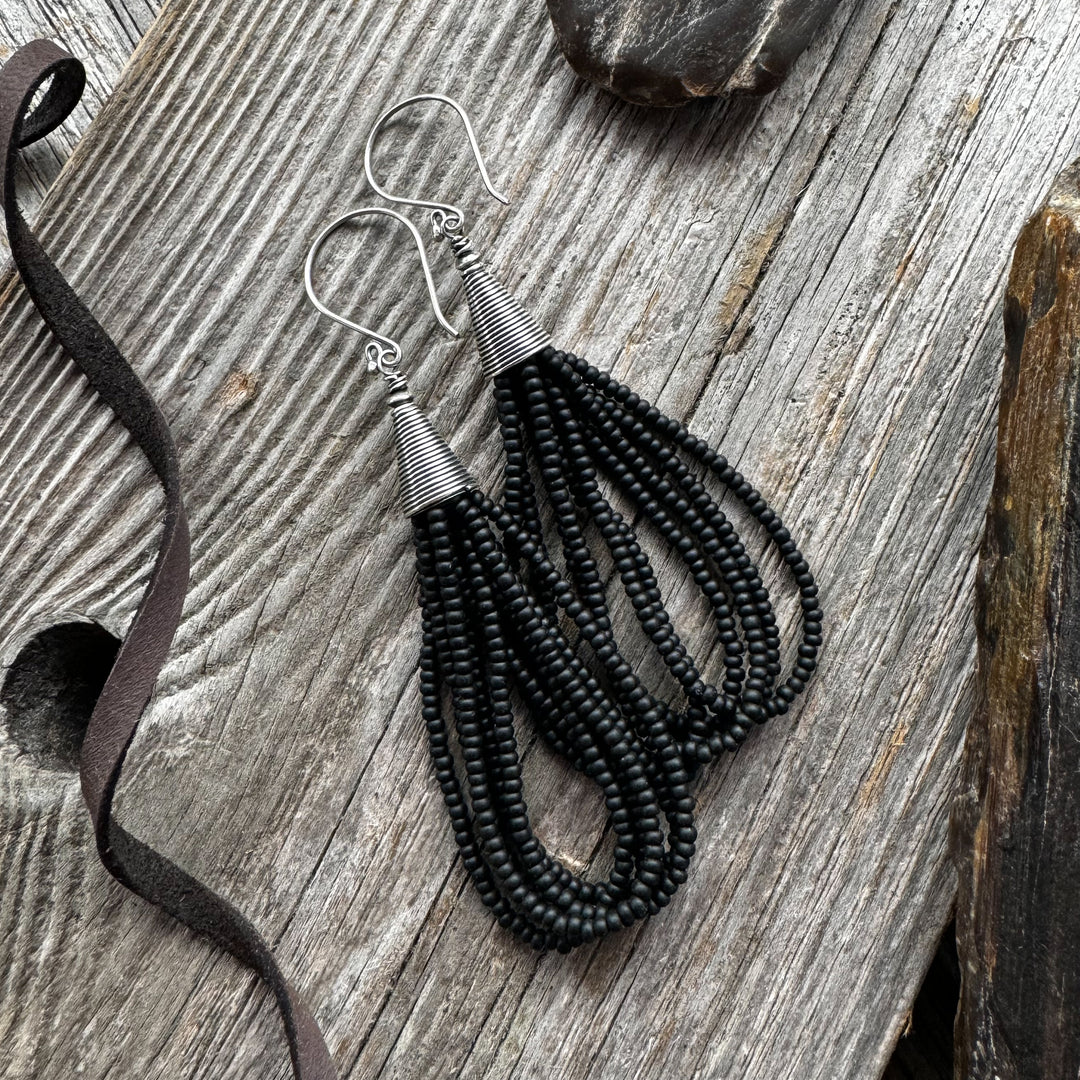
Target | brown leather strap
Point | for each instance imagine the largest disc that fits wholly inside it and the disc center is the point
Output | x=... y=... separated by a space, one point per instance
x=131 y=682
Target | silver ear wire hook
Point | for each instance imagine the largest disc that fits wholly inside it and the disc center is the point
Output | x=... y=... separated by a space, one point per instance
x=506 y=333
x=383 y=353
x=445 y=217
x=428 y=470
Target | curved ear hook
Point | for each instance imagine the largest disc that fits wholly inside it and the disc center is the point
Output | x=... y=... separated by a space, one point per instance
x=383 y=353
x=444 y=216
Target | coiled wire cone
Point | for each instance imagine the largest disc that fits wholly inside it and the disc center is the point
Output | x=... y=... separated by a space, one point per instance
x=428 y=470
x=506 y=334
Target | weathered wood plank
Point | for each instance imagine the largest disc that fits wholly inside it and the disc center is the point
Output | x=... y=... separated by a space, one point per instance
x=1018 y=813
x=813 y=281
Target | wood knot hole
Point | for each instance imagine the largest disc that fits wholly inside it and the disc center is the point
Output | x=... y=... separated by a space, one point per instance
x=50 y=689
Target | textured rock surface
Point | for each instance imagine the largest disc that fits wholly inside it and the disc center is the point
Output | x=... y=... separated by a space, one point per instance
x=665 y=52
x=1018 y=817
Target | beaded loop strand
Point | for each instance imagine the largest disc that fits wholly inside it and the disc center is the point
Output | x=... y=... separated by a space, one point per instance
x=484 y=637
x=576 y=424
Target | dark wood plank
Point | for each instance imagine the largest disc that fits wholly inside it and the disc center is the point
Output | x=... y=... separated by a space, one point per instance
x=1018 y=821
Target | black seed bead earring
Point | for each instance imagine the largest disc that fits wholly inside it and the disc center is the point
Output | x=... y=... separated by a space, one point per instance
x=486 y=638
x=565 y=425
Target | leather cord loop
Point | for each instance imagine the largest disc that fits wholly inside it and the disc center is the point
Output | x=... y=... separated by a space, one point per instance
x=131 y=682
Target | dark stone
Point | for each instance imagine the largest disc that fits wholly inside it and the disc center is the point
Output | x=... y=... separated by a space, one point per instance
x=665 y=52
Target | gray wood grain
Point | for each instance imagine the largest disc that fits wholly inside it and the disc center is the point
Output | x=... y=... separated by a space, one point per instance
x=813 y=281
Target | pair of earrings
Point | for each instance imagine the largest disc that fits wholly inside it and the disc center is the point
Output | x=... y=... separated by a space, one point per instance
x=496 y=600
x=485 y=639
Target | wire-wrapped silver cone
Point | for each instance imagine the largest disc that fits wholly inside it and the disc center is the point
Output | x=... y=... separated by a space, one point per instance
x=428 y=470
x=506 y=334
